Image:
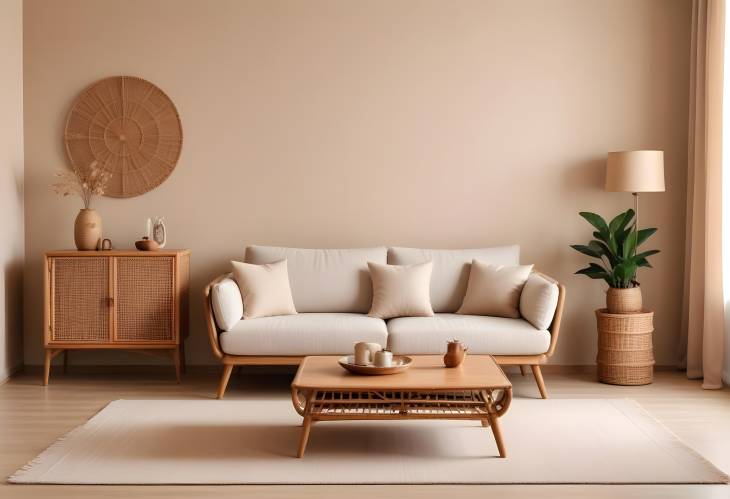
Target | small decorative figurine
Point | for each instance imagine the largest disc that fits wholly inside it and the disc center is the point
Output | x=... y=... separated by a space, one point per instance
x=455 y=353
x=159 y=232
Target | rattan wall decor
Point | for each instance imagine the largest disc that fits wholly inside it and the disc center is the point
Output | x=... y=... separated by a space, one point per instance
x=131 y=128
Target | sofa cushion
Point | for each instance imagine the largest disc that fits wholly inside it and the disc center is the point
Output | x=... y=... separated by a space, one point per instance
x=303 y=334
x=451 y=269
x=482 y=335
x=401 y=290
x=227 y=304
x=494 y=289
x=325 y=280
x=539 y=300
x=264 y=288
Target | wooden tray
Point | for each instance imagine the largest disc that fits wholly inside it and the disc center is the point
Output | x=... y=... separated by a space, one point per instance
x=400 y=364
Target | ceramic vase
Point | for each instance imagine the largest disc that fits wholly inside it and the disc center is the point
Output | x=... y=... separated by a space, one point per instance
x=455 y=353
x=87 y=230
x=624 y=300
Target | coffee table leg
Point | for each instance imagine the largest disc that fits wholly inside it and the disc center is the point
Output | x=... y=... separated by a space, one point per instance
x=306 y=424
x=493 y=421
x=497 y=431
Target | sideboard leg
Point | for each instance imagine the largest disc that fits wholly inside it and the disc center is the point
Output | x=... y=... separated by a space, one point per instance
x=182 y=357
x=540 y=382
x=176 y=358
x=65 y=361
x=47 y=366
x=227 y=369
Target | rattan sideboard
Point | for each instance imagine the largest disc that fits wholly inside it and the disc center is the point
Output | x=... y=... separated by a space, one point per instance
x=127 y=300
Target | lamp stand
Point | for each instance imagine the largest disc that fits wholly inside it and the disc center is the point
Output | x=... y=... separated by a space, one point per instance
x=636 y=225
x=636 y=210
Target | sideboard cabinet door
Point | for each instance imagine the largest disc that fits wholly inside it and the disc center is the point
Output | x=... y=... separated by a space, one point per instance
x=80 y=305
x=145 y=299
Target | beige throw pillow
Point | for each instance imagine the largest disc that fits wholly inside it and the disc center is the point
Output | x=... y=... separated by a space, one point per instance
x=264 y=288
x=494 y=289
x=401 y=290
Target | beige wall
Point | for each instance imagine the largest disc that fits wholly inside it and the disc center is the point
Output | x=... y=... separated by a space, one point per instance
x=344 y=123
x=11 y=186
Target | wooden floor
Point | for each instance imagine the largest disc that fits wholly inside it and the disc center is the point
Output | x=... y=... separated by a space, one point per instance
x=33 y=416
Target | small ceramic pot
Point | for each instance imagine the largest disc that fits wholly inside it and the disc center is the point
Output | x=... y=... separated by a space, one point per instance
x=455 y=353
x=146 y=245
x=87 y=230
x=383 y=358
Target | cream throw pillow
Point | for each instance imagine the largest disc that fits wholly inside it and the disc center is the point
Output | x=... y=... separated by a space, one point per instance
x=264 y=288
x=401 y=290
x=494 y=289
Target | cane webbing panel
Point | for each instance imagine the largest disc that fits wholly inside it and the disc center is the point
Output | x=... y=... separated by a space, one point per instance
x=413 y=405
x=144 y=299
x=80 y=299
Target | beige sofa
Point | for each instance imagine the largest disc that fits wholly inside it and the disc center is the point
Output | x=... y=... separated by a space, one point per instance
x=332 y=293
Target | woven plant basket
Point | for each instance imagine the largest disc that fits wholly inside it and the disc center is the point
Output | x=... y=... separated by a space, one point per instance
x=624 y=300
x=625 y=351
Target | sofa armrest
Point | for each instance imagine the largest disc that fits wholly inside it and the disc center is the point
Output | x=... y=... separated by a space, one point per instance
x=220 y=320
x=554 y=327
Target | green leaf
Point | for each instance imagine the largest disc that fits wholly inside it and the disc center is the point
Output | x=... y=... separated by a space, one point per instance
x=613 y=245
x=601 y=237
x=629 y=245
x=595 y=220
x=594 y=271
x=646 y=254
x=622 y=235
x=643 y=262
x=644 y=234
x=586 y=250
x=606 y=251
x=618 y=224
x=628 y=218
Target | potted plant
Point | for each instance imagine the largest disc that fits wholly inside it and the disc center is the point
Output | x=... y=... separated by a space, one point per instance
x=84 y=182
x=615 y=247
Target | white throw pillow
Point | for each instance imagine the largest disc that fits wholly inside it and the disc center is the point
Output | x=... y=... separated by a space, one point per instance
x=539 y=300
x=227 y=303
x=265 y=289
x=401 y=290
x=494 y=289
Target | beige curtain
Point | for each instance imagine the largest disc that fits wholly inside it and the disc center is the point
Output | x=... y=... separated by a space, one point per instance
x=703 y=327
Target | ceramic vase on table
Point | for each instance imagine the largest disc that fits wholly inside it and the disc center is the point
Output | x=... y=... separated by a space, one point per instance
x=455 y=353
x=87 y=229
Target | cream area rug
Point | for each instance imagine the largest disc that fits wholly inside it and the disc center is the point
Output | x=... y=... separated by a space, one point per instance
x=250 y=441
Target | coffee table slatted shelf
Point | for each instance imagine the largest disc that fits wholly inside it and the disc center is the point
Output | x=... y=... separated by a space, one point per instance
x=477 y=390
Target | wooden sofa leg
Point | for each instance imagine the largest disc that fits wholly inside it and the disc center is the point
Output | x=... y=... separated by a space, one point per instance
x=540 y=382
x=227 y=369
x=522 y=369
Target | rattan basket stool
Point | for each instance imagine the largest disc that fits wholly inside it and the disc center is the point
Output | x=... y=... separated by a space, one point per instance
x=625 y=351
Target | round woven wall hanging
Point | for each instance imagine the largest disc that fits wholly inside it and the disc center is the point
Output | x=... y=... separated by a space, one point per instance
x=130 y=128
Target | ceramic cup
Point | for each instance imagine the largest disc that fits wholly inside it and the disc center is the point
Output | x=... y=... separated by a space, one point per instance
x=383 y=358
x=365 y=352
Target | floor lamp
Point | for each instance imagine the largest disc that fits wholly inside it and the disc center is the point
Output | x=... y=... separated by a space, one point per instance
x=635 y=172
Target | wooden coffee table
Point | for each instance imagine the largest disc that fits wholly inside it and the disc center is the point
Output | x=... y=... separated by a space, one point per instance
x=477 y=389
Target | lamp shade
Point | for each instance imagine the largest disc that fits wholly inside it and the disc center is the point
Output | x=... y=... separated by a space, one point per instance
x=635 y=171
